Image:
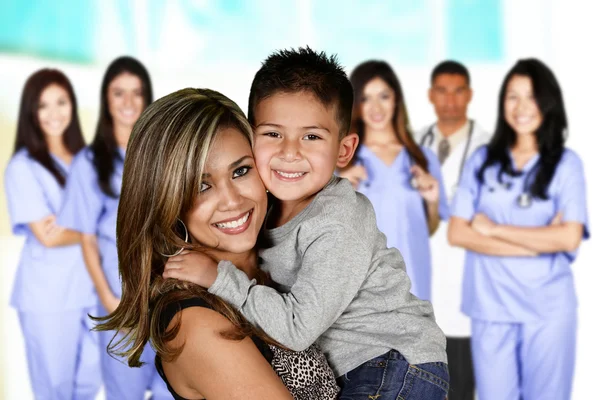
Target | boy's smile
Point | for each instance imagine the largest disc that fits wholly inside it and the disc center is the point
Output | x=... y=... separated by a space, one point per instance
x=288 y=176
x=296 y=145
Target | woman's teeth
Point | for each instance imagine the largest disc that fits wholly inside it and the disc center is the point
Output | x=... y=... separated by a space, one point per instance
x=524 y=120
x=54 y=124
x=128 y=113
x=234 y=224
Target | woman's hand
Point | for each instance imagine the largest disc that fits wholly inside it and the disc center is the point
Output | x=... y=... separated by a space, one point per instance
x=427 y=185
x=192 y=266
x=49 y=234
x=110 y=302
x=51 y=229
x=483 y=225
x=355 y=174
x=557 y=220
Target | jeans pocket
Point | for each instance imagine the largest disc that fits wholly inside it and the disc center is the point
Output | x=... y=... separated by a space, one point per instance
x=364 y=380
x=428 y=381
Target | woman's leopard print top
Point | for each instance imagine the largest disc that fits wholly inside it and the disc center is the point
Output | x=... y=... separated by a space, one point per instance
x=306 y=374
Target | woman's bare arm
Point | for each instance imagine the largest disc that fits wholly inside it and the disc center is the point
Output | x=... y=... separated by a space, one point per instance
x=91 y=257
x=213 y=367
x=461 y=234
x=50 y=235
x=565 y=236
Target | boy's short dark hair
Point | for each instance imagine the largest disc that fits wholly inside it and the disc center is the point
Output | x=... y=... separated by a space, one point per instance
x=304 y=70
x=450 y=67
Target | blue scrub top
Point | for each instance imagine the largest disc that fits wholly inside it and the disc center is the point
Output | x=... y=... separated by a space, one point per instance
x=48 y=279
x=400 y=211
x=520 y=289
x=89 y=210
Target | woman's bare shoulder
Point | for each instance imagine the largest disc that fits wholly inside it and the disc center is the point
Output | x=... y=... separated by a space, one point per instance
x=216 y=366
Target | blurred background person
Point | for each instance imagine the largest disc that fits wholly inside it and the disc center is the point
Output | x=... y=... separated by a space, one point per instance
x=90 y=207
x=52 y=292
x=453 y=138
x=401 y=179
x=520 y=211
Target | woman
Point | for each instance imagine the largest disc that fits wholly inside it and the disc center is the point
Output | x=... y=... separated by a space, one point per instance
x=520 y=211
x=90 y=207
x=188 y=175
x=52 y=292
x=402 y=180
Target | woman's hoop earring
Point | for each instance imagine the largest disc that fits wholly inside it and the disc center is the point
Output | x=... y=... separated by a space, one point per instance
x=178 y=252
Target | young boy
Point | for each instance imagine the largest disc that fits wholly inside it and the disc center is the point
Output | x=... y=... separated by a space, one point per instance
x=337 y=283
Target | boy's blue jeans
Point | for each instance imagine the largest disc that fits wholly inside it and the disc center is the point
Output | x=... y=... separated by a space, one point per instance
x=390 y=376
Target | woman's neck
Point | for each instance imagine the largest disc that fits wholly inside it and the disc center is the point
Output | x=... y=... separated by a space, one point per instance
x=526 y=144
x=122 y=134
x=246 y=262
x=524 y=150
x=380 y=137
x=57 y=147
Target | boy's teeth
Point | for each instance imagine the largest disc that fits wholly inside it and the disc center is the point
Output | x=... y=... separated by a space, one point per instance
x=290 y=175
x=235 y=224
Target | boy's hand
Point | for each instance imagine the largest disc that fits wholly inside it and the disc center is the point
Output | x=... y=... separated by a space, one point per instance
x=192 y=266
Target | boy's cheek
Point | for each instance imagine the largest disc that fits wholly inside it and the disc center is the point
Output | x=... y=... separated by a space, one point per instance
x=262 y=155
x=264 y=171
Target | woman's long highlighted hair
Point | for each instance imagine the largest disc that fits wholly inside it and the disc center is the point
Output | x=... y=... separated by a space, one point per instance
x=162 y=175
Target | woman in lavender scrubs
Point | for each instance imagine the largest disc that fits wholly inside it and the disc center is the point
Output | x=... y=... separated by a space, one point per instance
x=90 y=207
x=520 y=211
x=52 y=291
x=402 y=180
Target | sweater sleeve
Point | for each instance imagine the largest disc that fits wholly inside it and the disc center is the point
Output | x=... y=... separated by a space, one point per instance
x=334 y=266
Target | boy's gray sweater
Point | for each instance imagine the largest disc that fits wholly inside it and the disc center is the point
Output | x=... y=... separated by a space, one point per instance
x=337 y=284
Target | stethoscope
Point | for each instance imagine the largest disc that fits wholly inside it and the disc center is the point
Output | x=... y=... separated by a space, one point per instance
x=427 y=141
x=524 y=199
x=413 y=182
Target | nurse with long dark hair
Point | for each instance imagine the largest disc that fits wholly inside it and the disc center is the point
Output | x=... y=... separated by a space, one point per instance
x=52 y=291
x=520 y=211
x=402 y=179
x=90 y=207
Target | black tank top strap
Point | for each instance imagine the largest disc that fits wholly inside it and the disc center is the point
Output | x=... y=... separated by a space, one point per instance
x=161 y=372
x=172 y=309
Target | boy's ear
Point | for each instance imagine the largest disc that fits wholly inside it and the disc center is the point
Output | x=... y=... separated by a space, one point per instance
x=348 y=146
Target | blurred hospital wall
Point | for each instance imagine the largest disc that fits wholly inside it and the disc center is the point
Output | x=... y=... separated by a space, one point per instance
x=220 y=44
